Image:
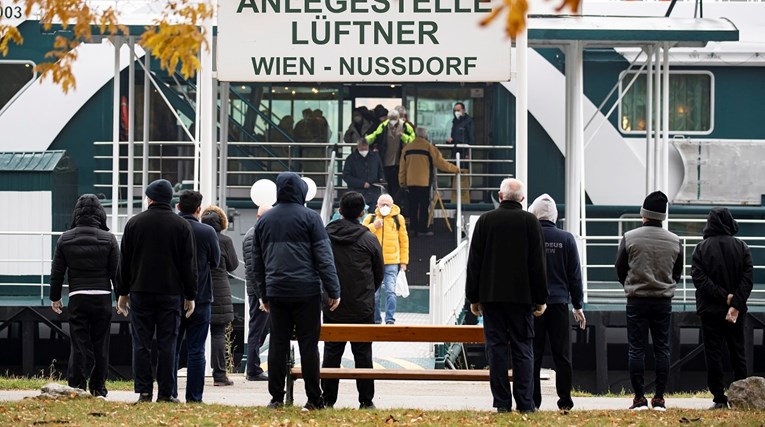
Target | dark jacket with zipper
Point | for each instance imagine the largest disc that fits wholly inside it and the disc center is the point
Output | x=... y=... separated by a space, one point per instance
x=564 y=272
x=222 y=308
x=649 y=263
x=88 y=252
x=207 y=255
x=158 y=254
x=507 y=258
x=359 y=263
x=291 y=253
x=249 y=274
x=722 y=265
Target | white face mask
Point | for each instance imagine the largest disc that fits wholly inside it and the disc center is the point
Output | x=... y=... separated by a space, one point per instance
x=458 y=114
x=357 y=119
x=385 y=210
x=363 y=153
x=393 y=122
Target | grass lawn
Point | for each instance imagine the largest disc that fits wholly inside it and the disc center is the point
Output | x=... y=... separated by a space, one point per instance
x=96 y=412
x=34 y=383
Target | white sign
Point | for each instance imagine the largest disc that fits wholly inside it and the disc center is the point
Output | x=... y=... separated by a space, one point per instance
x=360 y=41
x=12 y=13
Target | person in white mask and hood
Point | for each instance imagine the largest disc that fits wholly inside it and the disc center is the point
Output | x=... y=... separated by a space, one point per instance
x=362 y=170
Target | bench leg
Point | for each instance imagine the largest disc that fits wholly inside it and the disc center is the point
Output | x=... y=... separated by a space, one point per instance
x=290 y=378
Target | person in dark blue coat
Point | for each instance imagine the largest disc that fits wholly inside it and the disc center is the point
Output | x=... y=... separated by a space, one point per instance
x=293 y=263
x=564 y=283
x=197 y=325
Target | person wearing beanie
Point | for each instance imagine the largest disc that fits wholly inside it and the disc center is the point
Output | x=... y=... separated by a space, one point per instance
x=722 y=272
x=89 y=255
x=564 y=284
x=157 y=278
x=649 y=265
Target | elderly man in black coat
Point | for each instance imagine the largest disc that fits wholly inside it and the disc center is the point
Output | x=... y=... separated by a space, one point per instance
x=362 y=170
x=507 y=284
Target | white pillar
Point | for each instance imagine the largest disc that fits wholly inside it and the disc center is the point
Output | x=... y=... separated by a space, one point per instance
x=458 y=216
x=131 y=126
x=522 y=109
x=664 y=153
x=574 y=137
x=116 y=137
x=146 y=124
x=657 y=119
x=649 y=166
x=205 y=110
x=223 y=169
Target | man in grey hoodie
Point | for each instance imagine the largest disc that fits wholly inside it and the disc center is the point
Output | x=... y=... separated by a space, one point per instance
x=649 y=264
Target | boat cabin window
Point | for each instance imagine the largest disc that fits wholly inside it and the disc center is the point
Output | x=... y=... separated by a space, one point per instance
x=16 y=76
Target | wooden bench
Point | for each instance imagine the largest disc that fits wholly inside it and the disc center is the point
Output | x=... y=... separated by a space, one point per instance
x=395 y=333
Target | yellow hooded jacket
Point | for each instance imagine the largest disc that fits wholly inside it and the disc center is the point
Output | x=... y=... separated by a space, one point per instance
x=395 y=243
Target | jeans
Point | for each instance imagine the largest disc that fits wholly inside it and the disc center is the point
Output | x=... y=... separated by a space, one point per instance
x=303 y=316
x=718 y=333
x=150 y=313
x=259 y=329
x=362 y=358
x=196 y=328
x=643 y=316
x=90 y=321
x=389 y=287
x=507 y=324
x=554 y=323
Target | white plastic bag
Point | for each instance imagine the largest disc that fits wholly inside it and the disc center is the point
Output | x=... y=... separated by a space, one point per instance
x=402 y=285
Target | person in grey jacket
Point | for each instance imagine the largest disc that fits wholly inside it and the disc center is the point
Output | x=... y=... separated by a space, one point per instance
x=258 y=323
x=222 y=309
x=649 y=264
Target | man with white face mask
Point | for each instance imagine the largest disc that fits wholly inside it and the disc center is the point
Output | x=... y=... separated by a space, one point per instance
x=389 y=139
x=362 y=170
x=462 y=130
x=389 y=226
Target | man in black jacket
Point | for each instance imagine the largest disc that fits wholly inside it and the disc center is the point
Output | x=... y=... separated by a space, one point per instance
x=506 y=284
x=89 y=254
x=359 y=263
x=293 y=263
x=462 y=130
x=362 y=170
x=258 y=322
x=157 y=271
x=722 y=274
x=196 y=327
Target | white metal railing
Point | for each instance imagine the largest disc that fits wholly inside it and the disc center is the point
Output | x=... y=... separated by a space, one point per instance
x=329 y=193
x=447 y=286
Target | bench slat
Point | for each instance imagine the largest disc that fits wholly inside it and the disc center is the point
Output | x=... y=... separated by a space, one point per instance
x=402 y=333
x=401 y=374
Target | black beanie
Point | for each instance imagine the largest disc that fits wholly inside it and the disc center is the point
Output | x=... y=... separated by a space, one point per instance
x=160 y=191
x=655 y=206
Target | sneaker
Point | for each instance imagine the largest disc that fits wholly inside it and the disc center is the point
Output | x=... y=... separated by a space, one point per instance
x=144 y=397
x=168 y=399
x=657 y=404
x=275 y=404
x=367 y=405
x=309 y=406
x=101 y=397
x=720 y=405
x=260 y=377
x=639 y=404
x=390 y=322
x=223 y=383
x=503 y=409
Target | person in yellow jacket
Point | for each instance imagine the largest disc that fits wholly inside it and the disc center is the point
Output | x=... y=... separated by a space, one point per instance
x=416 y=174
x=389 y=226
x=389 y=139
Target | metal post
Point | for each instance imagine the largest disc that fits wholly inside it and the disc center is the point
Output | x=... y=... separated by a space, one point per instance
x=42 y=269
x=116 y=137
x=434 y=297
x=574 y=138
x=146 y=124
x=657 y=115
x=131 y=126
x=458 y=219
x=649 y=122
x=224 y=100
x=522 y=109
x=664 y=154
x=204 y=108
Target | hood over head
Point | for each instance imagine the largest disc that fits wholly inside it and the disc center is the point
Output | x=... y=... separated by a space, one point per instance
x=89 y=212
x=345 y=231
x=544 y=208
x=213 y=220
x=290 y=188
x=221 y=221
x=720 y=223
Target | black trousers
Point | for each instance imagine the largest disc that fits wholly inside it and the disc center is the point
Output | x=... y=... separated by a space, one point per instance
x=150 y=314
x=304 y=317
x=506 y=324
x=218 y=351
x=362 y=358
x=719 y=333
x=419 y=205
x=90 y=321
x=643 y=317
x=391 y=177
x=256 y=337
x=554 y=324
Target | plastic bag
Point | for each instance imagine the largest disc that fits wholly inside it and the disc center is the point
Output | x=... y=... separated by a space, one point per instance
x=402 y=285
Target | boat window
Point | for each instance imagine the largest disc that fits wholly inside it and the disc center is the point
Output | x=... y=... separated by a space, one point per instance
x=16 y=75
x=691 y=97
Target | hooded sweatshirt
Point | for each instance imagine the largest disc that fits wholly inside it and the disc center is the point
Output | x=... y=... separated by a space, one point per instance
x=291 y=254
x=87 y=252
x=722 y=265
x=359 y=262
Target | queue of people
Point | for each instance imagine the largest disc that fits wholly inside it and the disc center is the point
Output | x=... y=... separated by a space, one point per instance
x=170 y=275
